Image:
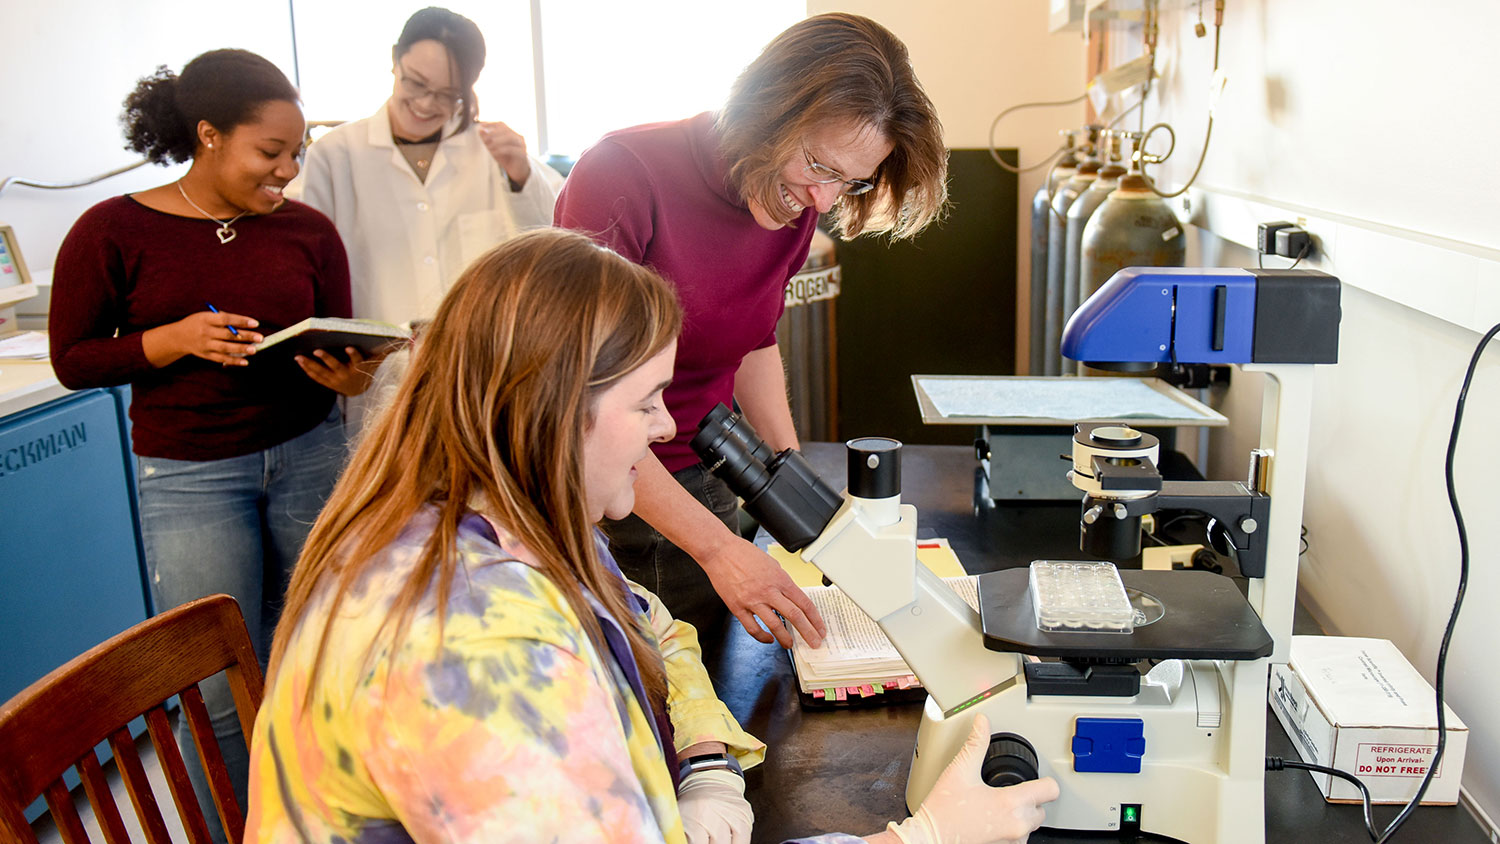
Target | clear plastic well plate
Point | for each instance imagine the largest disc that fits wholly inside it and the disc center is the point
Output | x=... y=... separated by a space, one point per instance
x=1082 y=597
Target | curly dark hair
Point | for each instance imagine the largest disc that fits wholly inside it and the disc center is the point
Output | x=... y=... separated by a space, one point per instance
x=224 y=87
x=463 y=41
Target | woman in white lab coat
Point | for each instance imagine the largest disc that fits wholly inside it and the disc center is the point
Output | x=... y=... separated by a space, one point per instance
x=419 y=189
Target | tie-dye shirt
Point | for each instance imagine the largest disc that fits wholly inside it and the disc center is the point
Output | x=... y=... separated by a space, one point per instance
x=513 y=727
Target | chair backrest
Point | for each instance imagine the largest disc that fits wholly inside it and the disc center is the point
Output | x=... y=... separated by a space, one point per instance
x=56 y=722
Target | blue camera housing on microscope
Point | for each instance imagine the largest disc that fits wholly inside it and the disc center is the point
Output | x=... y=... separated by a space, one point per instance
x=1152 y=315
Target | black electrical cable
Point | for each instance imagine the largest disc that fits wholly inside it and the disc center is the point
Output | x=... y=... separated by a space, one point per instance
x=1276 y=763
x=1463 y=586
x=1458 y=601
x=1301 y=253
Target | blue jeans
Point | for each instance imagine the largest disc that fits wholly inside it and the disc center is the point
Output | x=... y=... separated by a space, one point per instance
x=234 y=526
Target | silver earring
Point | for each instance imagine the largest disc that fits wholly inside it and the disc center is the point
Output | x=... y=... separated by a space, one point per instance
x=210 y=146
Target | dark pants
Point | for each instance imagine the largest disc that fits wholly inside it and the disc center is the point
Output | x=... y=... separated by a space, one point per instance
x=648 y=558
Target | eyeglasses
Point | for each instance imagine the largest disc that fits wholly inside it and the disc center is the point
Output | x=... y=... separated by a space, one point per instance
x=825 y=175
x=447 y=99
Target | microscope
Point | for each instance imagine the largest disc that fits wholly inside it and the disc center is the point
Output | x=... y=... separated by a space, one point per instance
x=1161 y=729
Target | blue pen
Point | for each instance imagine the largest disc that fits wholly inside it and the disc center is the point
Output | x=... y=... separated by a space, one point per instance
x=216 y=310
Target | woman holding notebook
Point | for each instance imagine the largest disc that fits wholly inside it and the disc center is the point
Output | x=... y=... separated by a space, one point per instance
x=166 y=290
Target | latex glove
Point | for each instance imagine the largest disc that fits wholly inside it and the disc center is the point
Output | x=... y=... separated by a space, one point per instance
x=963 y=810
x=714 y=809
x=752 y=584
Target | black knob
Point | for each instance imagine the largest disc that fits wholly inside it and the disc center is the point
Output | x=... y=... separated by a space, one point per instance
x=1009 y=760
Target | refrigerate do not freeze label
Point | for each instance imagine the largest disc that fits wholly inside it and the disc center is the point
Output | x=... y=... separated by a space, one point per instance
x=1395 y=760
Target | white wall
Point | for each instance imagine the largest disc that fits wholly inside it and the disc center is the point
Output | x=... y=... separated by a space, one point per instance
x=1367 y=116
x=975 y=58
x=68 y=65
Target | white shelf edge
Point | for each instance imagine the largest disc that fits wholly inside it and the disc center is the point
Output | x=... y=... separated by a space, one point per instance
x=1452 y=280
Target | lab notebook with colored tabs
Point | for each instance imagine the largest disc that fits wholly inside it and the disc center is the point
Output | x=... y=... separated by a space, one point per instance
x=857 y=665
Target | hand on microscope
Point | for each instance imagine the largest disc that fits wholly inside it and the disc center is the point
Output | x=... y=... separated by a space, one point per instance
x=962 y=808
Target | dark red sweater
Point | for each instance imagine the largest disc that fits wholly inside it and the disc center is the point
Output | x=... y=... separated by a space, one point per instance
x=125 y=268
x=658 y=194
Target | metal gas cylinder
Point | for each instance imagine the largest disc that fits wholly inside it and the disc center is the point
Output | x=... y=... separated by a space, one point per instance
x=806 y=334
x=1133 y=227
x=1078 y=216
x=1057 y=247
x=1041 y=205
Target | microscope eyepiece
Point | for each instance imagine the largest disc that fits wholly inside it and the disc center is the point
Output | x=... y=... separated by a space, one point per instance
x=781 y=491
x=729 y=455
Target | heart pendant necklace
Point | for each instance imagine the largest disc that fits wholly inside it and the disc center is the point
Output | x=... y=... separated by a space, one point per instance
x=225 y=231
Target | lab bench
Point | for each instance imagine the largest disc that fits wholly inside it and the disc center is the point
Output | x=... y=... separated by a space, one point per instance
x=845 y=770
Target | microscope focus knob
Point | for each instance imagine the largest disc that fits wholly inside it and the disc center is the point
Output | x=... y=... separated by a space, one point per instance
x=1009 y=760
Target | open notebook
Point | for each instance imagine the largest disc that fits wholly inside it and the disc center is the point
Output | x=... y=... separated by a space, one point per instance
x=857 y=665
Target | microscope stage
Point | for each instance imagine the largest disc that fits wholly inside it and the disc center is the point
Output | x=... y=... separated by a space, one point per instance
x=1205 y=617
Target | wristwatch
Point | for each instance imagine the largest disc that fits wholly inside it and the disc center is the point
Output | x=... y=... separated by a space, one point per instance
x=708 y=762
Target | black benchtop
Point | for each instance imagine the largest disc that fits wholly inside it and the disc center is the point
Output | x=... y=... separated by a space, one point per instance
x=845 y=770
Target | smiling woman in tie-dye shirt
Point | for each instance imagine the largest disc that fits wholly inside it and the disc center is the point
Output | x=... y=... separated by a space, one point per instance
x=459 y=659
x=511 y=727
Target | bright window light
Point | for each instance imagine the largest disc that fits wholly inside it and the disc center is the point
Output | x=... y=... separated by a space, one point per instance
x=344 y=58
x=608 y=64
x=611 y=64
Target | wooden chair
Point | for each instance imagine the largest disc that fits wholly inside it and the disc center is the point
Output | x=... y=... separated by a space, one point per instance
x=56 y=722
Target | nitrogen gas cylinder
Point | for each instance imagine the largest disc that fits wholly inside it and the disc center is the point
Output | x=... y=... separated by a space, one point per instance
x=1133 y=227
x=1078 y=216
x=1057 y=247
x=1041 y=204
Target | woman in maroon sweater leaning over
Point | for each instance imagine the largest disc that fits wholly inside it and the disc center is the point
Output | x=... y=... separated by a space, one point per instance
x=829 y=118
x=165 y=290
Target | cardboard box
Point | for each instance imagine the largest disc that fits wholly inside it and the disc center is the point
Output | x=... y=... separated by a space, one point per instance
x=1359 y=706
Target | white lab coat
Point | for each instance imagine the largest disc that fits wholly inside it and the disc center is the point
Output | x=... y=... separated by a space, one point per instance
x=409 y=241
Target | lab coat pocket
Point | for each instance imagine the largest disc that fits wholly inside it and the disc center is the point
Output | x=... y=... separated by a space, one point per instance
x=481 y=231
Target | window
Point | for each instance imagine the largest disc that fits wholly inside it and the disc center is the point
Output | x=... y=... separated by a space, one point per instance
x=606 y=64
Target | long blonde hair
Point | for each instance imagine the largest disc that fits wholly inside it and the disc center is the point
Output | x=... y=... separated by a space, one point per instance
x=494 y=408
x=831 y=69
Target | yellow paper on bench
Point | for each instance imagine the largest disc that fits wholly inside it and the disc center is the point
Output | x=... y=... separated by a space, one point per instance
x=935 y=554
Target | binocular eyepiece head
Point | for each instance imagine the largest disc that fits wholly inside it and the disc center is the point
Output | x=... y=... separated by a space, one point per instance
x=781 y=491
